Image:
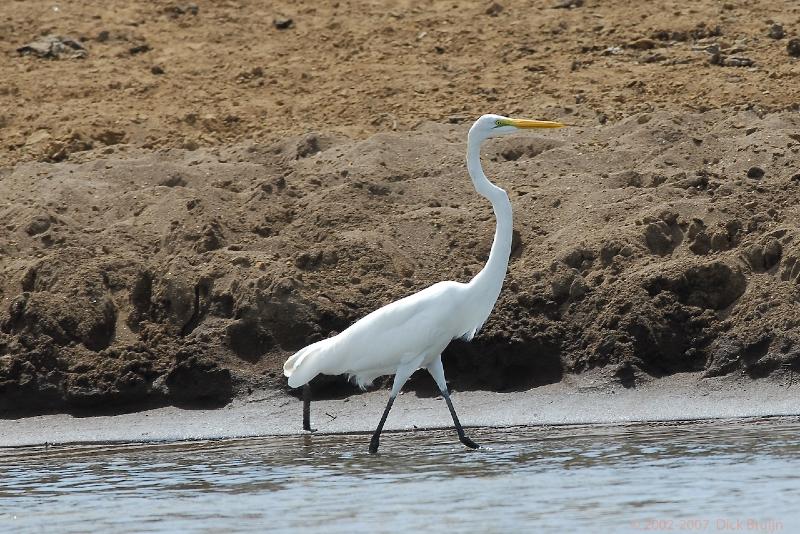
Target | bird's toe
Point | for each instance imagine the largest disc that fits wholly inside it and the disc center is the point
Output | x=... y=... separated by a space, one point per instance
x=469 y=443
x=373 y=446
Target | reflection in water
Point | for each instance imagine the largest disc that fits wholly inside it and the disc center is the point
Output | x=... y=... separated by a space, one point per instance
x=694 y=477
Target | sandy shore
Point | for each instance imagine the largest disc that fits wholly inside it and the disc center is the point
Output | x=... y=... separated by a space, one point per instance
x=582 y=400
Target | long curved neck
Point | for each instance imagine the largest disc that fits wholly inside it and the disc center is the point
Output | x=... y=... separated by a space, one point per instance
x=491 y=277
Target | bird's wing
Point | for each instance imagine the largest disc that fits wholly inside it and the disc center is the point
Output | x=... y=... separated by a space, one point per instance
x=402 y=331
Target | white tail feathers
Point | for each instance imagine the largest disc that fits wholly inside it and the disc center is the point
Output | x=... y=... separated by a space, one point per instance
x=306 y=363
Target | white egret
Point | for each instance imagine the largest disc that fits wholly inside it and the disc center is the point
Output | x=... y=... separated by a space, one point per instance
x=411 y=333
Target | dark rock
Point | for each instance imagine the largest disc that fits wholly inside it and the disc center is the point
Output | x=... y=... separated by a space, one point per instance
x=776 y=31
x=718 y=58
x=458 y=119
x=653 y=58
x=174 y=180
x=756 y=173
x=139 y=49
x=738 y=61
x=568 y=4
x=156 y=69
x=793 y=47
x=494 y=9
x=177 y=10
x=664 y=35
x=283 y=23
x=701 y=31
x=252 y=74
x=54 y=47
x=643 y=44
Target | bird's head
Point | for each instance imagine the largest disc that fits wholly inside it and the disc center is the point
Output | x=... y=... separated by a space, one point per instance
x=496 y=125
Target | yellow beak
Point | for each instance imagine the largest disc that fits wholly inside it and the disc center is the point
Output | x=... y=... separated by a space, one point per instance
x=527 y=123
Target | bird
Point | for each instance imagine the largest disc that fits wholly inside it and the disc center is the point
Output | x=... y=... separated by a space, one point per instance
x=411 y=333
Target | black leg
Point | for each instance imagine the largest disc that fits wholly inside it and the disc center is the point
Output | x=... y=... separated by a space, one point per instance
x=307 y=408
x=461 y=436
x=376 y=437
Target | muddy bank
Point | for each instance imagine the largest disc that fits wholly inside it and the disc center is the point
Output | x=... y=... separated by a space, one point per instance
x=664 y=243
x=578 y=400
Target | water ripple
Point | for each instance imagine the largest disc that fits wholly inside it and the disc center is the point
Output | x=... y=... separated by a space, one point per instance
x=625 y=477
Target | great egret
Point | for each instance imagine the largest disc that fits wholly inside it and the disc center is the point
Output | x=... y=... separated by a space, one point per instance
x=411 y=333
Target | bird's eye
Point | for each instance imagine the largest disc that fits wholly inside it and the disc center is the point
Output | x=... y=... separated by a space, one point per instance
x=497 y=122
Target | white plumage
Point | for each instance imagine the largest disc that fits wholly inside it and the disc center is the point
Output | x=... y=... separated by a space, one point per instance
x=411 y=333
x=408 y=333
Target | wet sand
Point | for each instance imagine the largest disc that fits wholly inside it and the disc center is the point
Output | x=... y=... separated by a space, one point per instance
x=587 y=399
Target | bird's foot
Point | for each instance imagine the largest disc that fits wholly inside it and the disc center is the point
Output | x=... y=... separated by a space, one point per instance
x=373 y=445
x=468 y=442
x=309 y=430
x=307 y=425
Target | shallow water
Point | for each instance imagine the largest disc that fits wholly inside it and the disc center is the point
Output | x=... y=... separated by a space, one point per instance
x=724 y=476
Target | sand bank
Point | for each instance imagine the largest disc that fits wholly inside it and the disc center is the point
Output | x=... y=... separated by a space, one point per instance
x=584 y=400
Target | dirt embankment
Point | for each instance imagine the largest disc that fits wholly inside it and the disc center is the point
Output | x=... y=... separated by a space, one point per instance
x=171 y=231
x=659 y=244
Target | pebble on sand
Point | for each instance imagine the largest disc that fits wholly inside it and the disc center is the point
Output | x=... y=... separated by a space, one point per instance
x=54 y=47
x=776 y=31
x=793 y=47
x=282 y=23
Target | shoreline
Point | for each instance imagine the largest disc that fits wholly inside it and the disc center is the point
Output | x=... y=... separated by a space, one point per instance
x=587 y=399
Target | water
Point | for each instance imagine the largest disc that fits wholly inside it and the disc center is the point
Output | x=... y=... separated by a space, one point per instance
x=734 y=476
